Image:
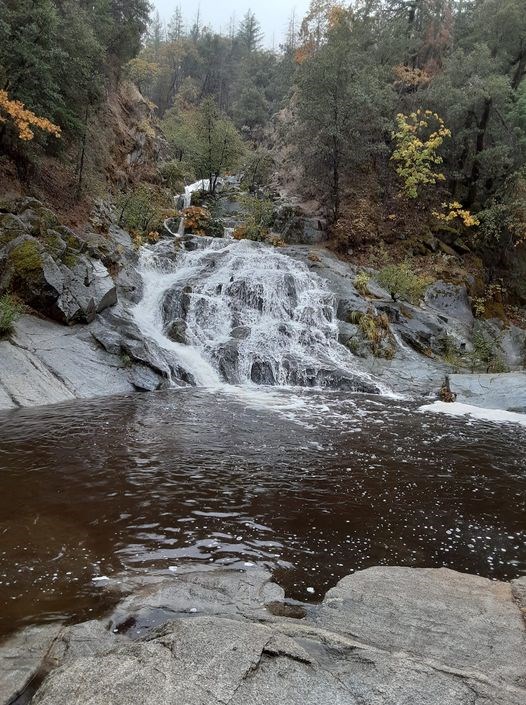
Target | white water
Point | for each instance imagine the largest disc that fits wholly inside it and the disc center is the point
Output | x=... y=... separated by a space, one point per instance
x=203 y=185
x=159 y=276
x=282 y=316
x=475 y=412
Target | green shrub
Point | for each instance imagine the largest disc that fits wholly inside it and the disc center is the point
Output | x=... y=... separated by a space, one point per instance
x=144 y=209
x=361 y=283
x=10 y=312
x=258 y=217
x=174 y=174
x=376 y=330
x=487 y=353
x=402 y=282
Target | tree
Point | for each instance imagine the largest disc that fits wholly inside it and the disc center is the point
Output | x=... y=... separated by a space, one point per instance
x=23 y=119
x=418 y=139
x=217 y=146
x=342 y=106
x=142 y=72
x=176 y=29
x=249 y=34
x=206 y=140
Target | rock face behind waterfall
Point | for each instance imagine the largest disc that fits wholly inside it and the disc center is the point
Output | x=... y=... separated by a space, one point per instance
x=259 y=317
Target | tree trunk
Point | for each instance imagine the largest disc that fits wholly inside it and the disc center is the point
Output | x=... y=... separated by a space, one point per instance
x=479 y=147
x=82 y=155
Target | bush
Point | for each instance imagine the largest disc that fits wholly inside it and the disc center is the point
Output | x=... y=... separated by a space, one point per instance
x=174 y=174
x=197 y=220
x=487 y=352
x=376 y=330
x=144 y=209
x=402 y=282
x=258 y=217
x=10 y=312
x=361 y=283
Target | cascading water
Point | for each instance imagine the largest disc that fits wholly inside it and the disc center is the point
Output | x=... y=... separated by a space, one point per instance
x=159 y=275
x=203 y=185
x=247 y=314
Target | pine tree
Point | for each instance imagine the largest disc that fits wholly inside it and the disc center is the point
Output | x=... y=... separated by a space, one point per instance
x=176 y=28
x=249 y=34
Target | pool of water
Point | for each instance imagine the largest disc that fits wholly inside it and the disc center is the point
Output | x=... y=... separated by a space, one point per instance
x=312 y=485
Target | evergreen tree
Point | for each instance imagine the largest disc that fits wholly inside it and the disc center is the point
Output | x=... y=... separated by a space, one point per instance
x=249 y=34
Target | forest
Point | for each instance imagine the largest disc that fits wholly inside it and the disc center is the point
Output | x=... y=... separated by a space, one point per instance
x=394 y=115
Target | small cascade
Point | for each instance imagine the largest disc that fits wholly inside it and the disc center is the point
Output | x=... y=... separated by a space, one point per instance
x=159 y=276
x=203 y=185
x=244 y=314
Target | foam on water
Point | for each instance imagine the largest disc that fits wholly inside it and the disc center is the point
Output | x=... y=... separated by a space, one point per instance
x=475 y=412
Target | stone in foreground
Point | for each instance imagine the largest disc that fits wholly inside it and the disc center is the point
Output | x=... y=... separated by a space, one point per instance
x=385 y=636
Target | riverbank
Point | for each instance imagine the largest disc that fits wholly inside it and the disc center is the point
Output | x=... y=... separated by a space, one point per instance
x=87 y=339
x=384 y=635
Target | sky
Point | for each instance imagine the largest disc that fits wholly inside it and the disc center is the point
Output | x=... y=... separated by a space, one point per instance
x=272 y=14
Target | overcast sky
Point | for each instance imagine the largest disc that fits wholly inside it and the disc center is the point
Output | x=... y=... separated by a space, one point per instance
x=272 y=14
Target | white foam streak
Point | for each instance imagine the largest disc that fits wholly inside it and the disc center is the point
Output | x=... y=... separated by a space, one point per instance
x=474 y=412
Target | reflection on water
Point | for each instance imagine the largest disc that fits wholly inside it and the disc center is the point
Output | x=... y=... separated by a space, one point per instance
x=314 y=486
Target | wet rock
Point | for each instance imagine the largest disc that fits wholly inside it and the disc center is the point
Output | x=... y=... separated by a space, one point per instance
x=108 y=338
x=196 y=591
x=451 y=300
x=87 y=290
x=388 y=636
x=176 y=331
x=26 y=658
x=46 y=363
x=510 y=341
x=425 y=614
x=295 y=226
x=22 y=657
x=144 y=379
x=227 y=360
x=176 y=303
x=26 y=379
x=491 y=391
x=262 y=373
x=241 y=332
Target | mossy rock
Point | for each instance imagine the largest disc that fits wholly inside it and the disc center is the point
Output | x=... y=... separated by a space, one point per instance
x=70 y=259
x=72 y=240
x=26 y=258
x=495 y=309
x=39 y=220
x=447 y=250
x=54 y=244
x=11 y=227
x=446 y=233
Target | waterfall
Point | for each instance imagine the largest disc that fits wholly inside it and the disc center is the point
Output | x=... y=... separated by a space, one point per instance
x=203 y=185
x=159 y=276
x=245 y=314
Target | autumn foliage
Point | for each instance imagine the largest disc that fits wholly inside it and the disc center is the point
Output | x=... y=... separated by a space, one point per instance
x=418 y=138
x=23 y=119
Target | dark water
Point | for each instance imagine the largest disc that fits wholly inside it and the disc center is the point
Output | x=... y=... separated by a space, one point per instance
x=314 y=486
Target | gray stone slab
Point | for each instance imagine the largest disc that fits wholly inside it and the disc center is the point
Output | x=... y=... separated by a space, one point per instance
x=491 y=391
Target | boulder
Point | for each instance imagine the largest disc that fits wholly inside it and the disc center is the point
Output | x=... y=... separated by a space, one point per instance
x=388 y=636
x=29 y=655
x=450 y=300
x=176 y=331
x=144 y=379
x=241 y=332
x=491 y=391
